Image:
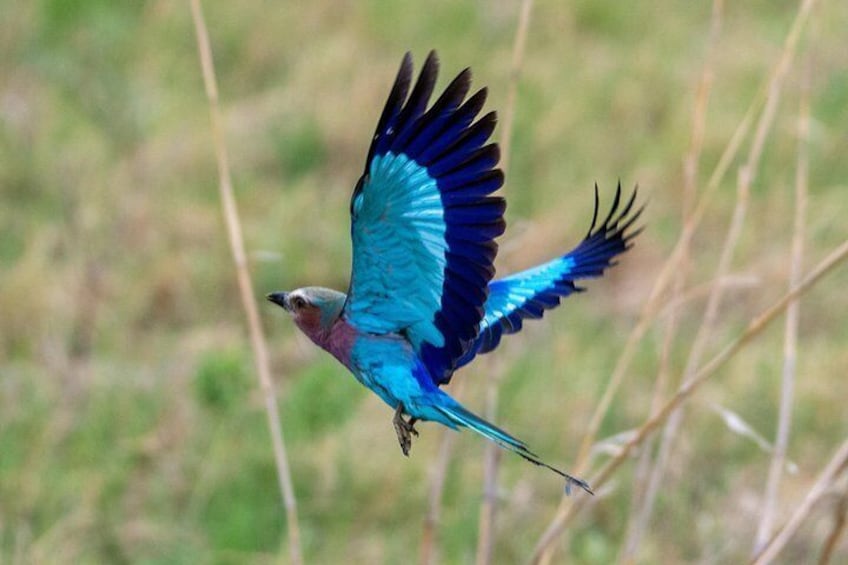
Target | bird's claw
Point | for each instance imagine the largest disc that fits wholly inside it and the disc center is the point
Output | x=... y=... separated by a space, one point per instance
x=404 y=430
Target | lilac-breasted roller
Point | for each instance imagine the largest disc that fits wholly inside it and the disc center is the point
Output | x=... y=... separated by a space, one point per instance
x=421 y=301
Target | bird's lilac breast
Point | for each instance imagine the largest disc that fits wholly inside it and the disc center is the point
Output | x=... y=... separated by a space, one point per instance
x=340 y=340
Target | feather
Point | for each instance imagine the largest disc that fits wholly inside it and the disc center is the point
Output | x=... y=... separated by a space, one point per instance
x=423 y=223
x=527 y=294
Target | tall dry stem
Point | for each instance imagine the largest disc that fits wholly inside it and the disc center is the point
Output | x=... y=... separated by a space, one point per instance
x=248 y=299
x=488 y=508
x=438 y=475
x=790 y=338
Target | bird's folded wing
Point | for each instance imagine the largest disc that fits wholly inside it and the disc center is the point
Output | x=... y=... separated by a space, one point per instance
x=423 y=223
x=529 y=293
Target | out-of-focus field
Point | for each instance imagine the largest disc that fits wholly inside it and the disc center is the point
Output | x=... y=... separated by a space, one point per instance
x=131 y=426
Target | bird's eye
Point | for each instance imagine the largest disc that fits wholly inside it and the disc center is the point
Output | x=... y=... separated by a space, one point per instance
x=298 y=302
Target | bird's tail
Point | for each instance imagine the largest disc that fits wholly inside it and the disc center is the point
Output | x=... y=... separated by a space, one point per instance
x=462 y=417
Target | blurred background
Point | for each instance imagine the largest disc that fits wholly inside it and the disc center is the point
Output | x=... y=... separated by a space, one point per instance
x=131 y=426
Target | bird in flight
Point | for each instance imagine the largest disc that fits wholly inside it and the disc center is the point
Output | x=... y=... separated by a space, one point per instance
x=422 y=302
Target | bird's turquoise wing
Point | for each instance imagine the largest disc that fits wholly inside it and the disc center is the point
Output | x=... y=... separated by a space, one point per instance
x=423 y=223
x=529 y=293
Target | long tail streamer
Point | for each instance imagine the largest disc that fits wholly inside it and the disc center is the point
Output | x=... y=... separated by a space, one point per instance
x=464 y=418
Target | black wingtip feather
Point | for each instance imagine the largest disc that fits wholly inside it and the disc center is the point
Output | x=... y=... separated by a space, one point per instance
x=615 y=216
x=394 y=103
x=595 y=212
x=616 y=201
x=421 y=92
x=454 y=94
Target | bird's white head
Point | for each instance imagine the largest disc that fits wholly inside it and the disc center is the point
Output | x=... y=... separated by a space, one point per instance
x=313 y=308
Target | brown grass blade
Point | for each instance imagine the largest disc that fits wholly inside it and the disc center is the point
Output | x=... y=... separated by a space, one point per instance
x=438 y=474
x=234 y=232
x=790 y=342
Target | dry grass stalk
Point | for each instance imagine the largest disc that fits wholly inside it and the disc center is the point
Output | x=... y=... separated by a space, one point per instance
x=790 y=342
x=491 y=462
x=840 y=518
x=754 y=328
x=488 y=508
x=828 y=476
x=438 y=474
x=257 y=337
x=514 y=74
x=645 y=489
x=434 y=505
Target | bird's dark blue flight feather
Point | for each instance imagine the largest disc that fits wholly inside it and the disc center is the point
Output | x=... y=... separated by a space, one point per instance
x=527 y=294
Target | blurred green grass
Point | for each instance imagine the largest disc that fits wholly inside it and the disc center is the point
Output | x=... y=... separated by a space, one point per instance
x=130 y=425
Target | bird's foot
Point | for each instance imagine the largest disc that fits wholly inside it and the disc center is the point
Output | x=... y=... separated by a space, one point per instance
x=404 y=430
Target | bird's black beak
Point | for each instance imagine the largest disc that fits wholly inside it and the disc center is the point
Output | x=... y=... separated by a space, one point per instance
x=280 y=299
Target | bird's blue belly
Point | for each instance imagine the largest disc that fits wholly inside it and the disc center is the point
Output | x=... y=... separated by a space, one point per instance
x=388 y=365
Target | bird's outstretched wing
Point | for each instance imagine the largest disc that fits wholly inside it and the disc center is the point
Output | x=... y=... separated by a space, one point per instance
x=423 y=223
x=529 y=293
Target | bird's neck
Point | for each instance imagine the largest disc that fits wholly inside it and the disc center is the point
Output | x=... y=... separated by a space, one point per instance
x=337 y=339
